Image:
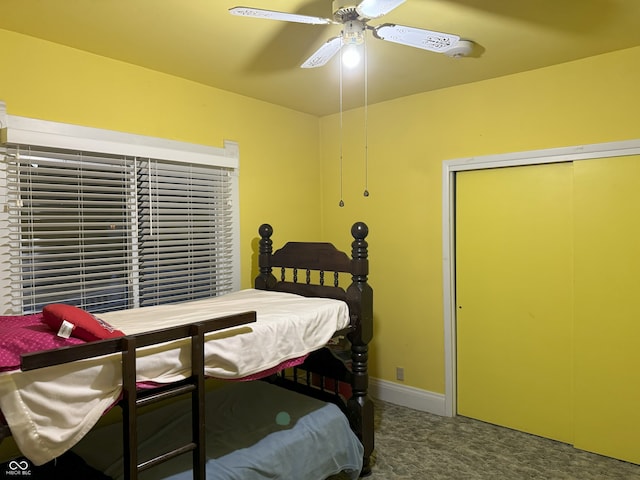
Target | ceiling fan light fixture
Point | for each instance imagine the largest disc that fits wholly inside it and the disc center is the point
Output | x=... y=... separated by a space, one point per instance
x=353 y=33
x=377 y=8
x=351 y=56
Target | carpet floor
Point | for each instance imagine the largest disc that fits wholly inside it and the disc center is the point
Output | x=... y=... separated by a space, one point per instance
x=416 y=445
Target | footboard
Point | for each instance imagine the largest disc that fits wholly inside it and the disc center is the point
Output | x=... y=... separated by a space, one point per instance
x=314 y=269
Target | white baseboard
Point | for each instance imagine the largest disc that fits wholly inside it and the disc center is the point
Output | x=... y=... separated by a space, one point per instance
x=405 y=396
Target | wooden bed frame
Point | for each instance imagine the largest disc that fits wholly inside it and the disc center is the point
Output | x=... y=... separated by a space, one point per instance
x=325 y=367
x=322 y=367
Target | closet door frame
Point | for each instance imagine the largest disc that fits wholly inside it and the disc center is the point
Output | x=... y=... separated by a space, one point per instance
x=449 y=170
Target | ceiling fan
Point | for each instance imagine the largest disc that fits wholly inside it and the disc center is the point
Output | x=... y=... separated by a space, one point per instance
x=354 y=16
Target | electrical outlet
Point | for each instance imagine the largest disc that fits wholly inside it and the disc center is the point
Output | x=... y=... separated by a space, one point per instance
x=399 y=373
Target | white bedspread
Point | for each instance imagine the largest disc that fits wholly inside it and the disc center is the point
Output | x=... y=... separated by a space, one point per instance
x=49 y=410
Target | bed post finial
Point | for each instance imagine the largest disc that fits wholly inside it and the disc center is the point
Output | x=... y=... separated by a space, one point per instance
x=265 y=231
x=265 y=280
x=359 y=231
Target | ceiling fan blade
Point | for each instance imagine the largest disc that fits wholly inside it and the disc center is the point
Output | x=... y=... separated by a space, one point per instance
x=273 y=15
x=325 y=53
x=377 y=8
x=416 y=37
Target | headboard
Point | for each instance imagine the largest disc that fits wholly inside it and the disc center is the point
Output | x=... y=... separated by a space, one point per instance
x=297 y=260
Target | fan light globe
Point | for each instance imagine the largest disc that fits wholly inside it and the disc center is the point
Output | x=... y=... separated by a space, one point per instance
x=351 y=56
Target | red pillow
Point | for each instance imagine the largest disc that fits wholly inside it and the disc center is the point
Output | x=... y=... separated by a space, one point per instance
x=70 y=320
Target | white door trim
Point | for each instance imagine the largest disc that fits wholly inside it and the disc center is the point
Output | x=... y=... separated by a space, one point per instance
x=449 y=169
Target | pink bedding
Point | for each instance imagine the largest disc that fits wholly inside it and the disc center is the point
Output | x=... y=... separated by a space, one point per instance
x=26 y=334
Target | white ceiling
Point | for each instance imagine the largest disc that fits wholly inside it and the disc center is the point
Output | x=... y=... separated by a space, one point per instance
x=199 y=40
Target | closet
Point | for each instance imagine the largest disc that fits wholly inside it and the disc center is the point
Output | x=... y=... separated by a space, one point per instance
x=547 y=322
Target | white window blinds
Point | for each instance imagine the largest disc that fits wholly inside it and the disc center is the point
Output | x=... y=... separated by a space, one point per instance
x=185 y=228
x=112 y=229
x=70 y=229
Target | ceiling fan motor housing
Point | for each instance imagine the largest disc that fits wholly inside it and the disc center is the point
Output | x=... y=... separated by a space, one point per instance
x=344 y=10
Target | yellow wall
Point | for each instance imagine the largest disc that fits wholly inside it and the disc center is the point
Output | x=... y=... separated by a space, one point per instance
x=588 y=101
x=279 y=166
x=289 y=161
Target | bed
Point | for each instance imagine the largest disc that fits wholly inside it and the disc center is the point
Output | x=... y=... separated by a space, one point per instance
x=56 y=397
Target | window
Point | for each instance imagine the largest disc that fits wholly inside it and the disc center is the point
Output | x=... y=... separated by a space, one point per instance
x=112 y=230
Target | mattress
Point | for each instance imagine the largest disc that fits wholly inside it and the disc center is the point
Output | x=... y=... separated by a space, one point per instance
x=255 y=431
x=51 y=409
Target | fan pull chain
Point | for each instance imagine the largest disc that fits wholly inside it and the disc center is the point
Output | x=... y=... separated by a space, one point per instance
x=341 y=203
x=366 y=123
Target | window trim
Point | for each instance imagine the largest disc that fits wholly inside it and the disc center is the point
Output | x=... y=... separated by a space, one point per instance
x=44 y=133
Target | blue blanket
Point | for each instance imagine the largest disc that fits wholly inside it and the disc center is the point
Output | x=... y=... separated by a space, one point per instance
x=255 y=431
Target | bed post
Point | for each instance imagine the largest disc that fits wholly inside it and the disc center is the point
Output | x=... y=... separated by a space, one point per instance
x=265 y=280
x=360 y=300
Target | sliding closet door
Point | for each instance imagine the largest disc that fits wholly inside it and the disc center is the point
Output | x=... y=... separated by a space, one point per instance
x=514 y=279
x=607 y=310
